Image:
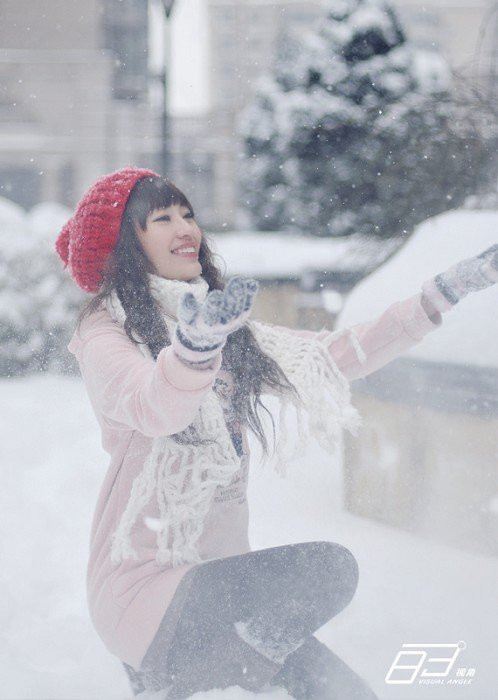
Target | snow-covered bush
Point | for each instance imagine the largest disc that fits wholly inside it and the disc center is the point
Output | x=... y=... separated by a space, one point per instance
x=38 y=300
x=488 y=200
x=359 y=131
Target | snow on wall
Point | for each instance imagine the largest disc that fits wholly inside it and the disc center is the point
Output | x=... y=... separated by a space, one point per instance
x=275 y=254
x=469 y=332
x=19 y=229
x=12 y=229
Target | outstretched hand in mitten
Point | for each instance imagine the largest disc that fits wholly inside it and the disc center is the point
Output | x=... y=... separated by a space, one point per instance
x=202 y=329
x=470 y=275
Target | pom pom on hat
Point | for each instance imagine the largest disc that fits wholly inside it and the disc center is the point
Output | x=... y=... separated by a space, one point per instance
x=88 y=238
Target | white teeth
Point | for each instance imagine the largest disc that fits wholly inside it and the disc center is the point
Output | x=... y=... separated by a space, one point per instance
x=184 y=250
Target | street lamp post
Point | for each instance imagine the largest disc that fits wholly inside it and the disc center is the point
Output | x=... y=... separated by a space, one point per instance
x=167 y=6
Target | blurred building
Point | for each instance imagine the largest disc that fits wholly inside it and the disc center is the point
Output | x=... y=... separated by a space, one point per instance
x=465 y=32
x=77 y=97
x=73 y=95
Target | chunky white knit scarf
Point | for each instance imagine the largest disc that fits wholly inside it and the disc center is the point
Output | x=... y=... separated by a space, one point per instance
x=183 y=478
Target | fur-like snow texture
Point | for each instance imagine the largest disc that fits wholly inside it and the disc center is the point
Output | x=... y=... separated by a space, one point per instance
x=182 y=477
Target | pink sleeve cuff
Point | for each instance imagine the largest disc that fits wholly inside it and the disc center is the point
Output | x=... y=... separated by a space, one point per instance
x=414 y=317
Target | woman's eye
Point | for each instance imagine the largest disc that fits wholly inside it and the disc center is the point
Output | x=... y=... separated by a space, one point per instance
x=165 y=217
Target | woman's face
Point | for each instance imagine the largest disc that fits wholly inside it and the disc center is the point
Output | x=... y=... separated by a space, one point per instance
x=168 y=239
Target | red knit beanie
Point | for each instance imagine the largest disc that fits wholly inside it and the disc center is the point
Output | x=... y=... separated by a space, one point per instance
x=90 y=235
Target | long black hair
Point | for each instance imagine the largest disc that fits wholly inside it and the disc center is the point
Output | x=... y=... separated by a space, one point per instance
x=126 y=272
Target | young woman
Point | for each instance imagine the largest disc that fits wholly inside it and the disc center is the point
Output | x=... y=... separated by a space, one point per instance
x=175 y=369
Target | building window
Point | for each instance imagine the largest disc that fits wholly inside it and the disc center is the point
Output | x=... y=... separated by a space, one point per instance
x=124 y=25
x=20 y=185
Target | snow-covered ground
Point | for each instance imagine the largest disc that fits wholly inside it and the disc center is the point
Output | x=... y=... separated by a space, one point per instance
x=409 y=591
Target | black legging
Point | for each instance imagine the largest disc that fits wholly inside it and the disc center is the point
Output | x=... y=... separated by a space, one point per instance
x=249 y=619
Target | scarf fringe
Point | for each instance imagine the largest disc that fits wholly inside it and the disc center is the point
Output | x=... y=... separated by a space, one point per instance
x=326 y=408
x=184 y=478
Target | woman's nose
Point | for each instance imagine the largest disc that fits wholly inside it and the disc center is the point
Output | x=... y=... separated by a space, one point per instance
x=182 y=226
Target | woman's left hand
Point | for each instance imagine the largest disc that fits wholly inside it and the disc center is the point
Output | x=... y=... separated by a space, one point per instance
x=470 y=275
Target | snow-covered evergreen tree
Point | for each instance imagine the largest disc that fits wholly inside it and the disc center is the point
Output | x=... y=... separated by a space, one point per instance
x=355 y=131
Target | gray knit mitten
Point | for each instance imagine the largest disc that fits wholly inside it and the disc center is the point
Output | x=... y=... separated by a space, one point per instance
x=202 y=329
x=470 y=275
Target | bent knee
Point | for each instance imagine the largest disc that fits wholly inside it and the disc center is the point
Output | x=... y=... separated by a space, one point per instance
x=341 y=565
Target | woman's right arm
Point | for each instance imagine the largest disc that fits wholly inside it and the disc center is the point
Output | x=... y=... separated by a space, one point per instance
x=382 y=339
x=156 y=398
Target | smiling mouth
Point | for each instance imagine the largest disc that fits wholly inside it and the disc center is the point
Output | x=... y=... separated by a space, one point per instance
x=187 y=252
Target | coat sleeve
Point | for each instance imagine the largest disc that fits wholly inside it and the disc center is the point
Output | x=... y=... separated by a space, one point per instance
x=131 y=391
x=389 y=335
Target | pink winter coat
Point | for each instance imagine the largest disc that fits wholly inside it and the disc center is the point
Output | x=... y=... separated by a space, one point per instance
x=136 y=399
